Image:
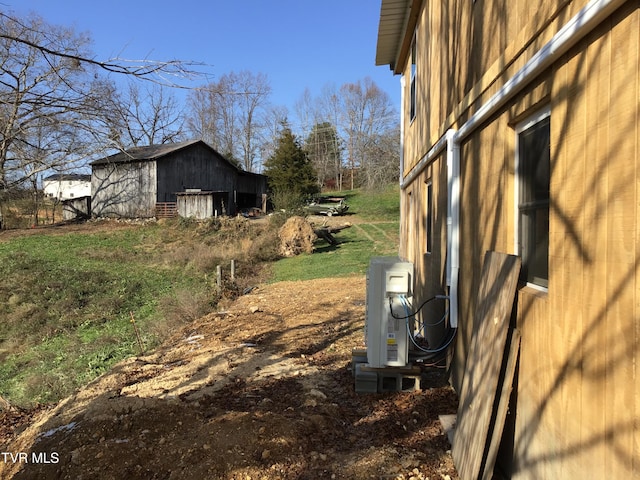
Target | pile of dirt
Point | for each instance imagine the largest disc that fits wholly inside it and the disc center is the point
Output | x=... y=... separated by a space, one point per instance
x=262 y=390
x=296 y=236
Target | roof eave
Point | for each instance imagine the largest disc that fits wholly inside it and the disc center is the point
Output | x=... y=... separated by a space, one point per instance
x=150 y=153
x=397 y=19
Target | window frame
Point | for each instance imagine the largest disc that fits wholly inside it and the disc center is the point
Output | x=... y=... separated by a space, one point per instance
x=521 y=205
x=413 y=74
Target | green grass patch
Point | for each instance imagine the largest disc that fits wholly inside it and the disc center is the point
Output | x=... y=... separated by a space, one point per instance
x=66 y=300
x=357 y=244
x=380 y=205
x=350 y=257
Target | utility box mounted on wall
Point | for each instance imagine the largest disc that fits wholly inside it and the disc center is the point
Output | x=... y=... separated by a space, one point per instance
x=387 y=337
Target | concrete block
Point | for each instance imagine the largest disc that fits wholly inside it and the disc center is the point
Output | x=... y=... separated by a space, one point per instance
x=366 y=382
x=398 y=382
x=387 y=379
x=358 y=356
x=448 y=423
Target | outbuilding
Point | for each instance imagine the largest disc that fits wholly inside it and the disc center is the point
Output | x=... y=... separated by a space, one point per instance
x=145 y=182
x=64 y=186
x=76 y=208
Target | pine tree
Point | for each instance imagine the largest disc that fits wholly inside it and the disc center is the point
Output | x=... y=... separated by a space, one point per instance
x=290 y=173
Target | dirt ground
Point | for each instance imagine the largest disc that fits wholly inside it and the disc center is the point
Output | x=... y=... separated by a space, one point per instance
x=261 y=390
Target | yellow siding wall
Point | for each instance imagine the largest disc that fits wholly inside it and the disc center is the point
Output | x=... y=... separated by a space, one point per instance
x=429 y=267
x=578 y=408
x=486 y=214
x=466 y=50
x=578 y=398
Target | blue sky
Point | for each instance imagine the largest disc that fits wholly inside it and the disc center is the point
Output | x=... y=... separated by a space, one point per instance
x=296 y=43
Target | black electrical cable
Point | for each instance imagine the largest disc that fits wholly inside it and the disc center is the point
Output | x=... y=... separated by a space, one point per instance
x=432 y=352
x=443 y=346
x=419 y=308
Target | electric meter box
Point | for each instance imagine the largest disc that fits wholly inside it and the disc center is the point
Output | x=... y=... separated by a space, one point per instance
x=386 y=337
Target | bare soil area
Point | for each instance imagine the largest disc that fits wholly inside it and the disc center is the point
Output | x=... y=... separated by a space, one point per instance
x=261 y=390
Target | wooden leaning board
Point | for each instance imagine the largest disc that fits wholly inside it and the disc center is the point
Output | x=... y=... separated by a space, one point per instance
x=491 y=360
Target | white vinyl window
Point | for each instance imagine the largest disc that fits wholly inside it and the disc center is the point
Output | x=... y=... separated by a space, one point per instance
x=533 y=158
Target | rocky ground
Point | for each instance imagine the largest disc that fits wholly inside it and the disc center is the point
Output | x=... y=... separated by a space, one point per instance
x=261 y=390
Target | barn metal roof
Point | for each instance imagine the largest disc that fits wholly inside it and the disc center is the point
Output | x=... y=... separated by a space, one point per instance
x=150 y=152
x=396 y=17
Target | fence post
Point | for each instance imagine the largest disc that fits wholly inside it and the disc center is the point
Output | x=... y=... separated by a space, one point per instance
x=219 y=277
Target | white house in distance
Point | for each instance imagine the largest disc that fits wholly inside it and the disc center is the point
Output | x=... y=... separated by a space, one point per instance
x=64 y=186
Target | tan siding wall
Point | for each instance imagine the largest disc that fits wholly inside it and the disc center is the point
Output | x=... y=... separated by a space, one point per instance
x=460 y=64
x=430 y=268
x=579 y=387
x=486 y=214
x=578 y=410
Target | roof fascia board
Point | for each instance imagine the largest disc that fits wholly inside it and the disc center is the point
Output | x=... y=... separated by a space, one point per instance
x=407 y=36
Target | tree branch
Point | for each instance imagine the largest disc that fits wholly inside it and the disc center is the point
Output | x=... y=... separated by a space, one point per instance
x=156 y=71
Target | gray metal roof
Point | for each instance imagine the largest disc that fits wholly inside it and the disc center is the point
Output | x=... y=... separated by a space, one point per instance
x=58 y=177
x=150 y=152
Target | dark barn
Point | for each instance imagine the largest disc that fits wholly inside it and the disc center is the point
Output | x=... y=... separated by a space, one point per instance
x=142 y=181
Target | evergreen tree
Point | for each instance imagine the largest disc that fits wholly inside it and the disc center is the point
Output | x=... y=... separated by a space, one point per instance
x=290 y=173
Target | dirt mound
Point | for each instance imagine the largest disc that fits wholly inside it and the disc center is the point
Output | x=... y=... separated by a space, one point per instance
x=262 y=390
x=296 y=236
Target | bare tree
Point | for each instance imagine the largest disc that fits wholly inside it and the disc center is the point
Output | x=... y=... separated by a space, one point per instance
x=365 y=123
x=308 y=112
x=212 y=116
x=145 y=114
x=274 y=119
x=34 y=37
x=253 y=97
x=331 y=108
x=45 y=103
x=367 y=114
x=381 y=164
x=323 y=148
x=202 y=120
x=230 y=114
x=55 y=109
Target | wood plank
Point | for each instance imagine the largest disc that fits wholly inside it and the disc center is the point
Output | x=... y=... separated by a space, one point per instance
x=484 y=362
x=502 y=409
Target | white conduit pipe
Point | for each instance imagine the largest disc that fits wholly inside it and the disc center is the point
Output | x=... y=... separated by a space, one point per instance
x=571 y=33
x=453 y=235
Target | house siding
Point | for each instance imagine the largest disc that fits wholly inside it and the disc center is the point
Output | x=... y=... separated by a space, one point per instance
x=67 y=189
x=577 y=410
x=430 y=267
